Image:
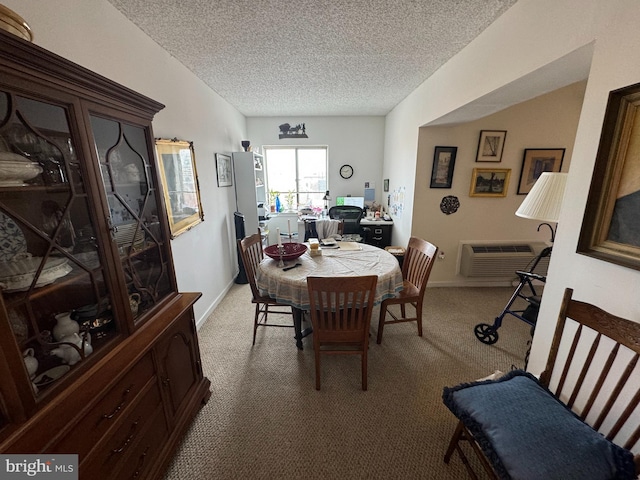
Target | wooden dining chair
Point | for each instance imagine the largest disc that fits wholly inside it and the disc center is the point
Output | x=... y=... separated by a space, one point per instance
x=416 y=268
x=341 y=315
x=251 y=253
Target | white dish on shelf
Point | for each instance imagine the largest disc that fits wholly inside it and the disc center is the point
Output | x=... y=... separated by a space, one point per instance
x=17 y=275
x=51 y=375
x=12 y=241
x=16 y=169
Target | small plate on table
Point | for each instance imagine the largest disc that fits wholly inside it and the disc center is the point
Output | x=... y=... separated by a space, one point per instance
x=329 y=243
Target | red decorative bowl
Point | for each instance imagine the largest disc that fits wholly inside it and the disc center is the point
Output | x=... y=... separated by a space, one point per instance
x=291 y=251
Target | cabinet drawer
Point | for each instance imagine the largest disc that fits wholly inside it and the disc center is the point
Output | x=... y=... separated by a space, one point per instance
x=118 y=444
x=144 y=453
x=107 y=411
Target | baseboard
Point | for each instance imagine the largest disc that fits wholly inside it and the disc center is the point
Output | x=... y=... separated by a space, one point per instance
x=200 y=321
x=470 y=283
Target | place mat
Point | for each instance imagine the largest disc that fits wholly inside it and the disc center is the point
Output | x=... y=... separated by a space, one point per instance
x=346 y=246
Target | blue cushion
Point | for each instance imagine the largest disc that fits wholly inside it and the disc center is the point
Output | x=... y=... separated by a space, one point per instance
x=526 y=433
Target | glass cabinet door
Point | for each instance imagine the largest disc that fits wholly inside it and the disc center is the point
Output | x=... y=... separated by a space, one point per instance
x=132 y=196
x=52 y=279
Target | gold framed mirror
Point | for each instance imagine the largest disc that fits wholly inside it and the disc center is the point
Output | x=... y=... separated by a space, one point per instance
x=180 y=185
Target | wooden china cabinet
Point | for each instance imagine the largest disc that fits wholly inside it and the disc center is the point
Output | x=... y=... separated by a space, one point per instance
x=98 y=350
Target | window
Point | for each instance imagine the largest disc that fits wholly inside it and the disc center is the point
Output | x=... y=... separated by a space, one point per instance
x=298 y=175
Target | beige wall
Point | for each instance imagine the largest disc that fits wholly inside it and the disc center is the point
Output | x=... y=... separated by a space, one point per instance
x=548 y=121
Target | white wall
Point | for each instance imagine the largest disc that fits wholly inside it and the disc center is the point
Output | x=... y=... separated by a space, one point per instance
x=529 y=36
x=548 y=121
x=357 y=141
x=612 y=287
x=95 y=35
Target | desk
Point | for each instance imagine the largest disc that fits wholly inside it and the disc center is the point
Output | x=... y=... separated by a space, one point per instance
x=290 y=287
x=379 y=231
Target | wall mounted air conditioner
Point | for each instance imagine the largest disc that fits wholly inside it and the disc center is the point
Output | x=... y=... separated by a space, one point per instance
x=500 y=259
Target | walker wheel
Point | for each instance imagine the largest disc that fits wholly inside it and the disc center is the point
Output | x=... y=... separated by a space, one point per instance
x=486 y=333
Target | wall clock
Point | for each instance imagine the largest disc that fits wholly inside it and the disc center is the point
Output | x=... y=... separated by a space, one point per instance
x=346 y=171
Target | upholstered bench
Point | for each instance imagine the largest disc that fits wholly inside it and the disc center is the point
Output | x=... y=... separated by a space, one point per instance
x=521 y=430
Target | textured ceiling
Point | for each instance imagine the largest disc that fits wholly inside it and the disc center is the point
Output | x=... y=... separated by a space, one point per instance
x=313 y=57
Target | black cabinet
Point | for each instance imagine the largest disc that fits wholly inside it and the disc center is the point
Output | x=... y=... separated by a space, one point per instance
x=378 y=235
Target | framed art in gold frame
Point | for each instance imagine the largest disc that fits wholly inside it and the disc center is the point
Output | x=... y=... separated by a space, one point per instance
x=491 y=145
x=490 y=182
x=611 y=224
x=535 y=162
x=180 y=185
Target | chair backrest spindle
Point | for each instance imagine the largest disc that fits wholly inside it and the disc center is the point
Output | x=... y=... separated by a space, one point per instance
x=598 y=386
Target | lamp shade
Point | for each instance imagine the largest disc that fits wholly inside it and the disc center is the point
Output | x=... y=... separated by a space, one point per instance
x=544 y=200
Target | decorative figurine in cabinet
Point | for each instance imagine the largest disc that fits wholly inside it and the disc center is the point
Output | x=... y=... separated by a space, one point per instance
x=87 y=285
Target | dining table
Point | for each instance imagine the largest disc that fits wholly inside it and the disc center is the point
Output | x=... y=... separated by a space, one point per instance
x=349 y=259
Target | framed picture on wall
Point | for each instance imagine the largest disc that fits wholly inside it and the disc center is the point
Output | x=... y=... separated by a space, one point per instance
x=223 y=170
x=611 y=223
x=386 y=184
x=180 y=186
x=491 y=145
x=444 y=159
x=535 y=162
x=489 y=182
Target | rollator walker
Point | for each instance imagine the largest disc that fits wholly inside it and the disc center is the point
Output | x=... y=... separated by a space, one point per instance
x=526 y=290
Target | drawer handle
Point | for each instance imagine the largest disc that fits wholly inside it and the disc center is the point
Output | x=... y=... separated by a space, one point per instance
x=109 y=416
x=141 y=460
x=132 y=435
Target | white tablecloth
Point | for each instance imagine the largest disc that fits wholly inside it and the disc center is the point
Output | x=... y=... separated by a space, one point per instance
x=290 y=287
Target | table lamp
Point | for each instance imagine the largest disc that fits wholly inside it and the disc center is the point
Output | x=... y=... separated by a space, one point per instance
x=544 y=200
x=326 y=199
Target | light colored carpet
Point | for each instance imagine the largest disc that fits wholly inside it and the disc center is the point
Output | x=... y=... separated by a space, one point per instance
x=266 y=420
